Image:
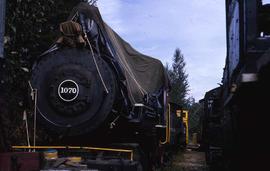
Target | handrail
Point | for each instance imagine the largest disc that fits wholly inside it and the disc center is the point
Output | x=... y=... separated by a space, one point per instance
x=168 y=126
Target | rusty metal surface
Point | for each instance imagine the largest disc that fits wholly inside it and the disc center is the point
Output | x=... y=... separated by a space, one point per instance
x=22 y=161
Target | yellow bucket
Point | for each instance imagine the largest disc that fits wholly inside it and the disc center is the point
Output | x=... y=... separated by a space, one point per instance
x=50 y=154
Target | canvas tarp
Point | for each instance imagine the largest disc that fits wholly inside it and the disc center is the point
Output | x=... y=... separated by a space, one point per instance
x=143 y=74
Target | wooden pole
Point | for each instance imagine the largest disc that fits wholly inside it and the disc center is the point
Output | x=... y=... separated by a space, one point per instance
x=2 y=26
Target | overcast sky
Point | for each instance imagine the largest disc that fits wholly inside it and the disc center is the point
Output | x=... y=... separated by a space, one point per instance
x=158 y=27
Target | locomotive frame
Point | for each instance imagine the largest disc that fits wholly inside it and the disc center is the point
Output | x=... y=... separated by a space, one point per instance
x=118 y=156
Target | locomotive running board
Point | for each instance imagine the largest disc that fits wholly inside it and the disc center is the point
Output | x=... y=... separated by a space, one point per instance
x=130 y=152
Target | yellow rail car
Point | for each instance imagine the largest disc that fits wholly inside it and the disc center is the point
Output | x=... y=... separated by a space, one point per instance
x=184 y=115
x=176 y=125
x=185 y=121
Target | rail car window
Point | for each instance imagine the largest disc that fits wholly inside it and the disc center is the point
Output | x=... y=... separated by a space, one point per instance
x=184 y=115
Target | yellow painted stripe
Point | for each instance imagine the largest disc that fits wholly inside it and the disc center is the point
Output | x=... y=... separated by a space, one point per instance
x=107 y=149
x=39 y=147
x=185 y=120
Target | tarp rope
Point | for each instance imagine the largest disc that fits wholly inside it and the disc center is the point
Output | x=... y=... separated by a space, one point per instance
x=94 y=59
x=74 y=18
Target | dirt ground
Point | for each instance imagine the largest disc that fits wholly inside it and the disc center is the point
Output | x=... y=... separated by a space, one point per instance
x=188 y=160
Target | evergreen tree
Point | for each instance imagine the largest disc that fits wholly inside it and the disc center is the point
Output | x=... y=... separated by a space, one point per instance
x=195 y=111
x=179 y=82
x=31 y=27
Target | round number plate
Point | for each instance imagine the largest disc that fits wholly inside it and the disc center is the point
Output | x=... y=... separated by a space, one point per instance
x=68 y=90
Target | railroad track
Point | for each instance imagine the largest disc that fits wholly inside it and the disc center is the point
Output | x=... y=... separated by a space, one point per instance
x=188 y=160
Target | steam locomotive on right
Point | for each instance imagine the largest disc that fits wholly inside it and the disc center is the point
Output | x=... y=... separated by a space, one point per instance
x=235 y=122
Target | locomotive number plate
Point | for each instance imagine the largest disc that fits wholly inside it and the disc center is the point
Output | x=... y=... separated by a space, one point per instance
x=68 y=90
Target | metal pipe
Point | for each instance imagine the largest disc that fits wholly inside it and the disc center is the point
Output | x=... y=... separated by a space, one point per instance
x=2 y=26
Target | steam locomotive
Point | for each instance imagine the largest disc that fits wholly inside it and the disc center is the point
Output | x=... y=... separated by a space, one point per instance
x=91 y=80
x=235 y=120
x=91 y=88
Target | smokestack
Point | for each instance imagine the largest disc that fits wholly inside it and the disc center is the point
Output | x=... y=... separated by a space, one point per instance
x=2 y=26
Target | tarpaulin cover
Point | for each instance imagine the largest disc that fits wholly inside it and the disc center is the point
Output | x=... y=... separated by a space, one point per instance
x=144 y=74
